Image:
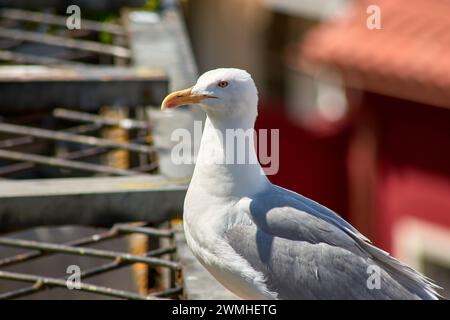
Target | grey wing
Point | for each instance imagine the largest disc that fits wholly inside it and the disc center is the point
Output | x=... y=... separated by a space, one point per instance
x=280 y=196
x=301 y=229
x=306 y=270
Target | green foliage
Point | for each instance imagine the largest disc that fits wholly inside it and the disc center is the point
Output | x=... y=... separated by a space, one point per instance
x=105 y=37
x=106 y=17
x=152 y=5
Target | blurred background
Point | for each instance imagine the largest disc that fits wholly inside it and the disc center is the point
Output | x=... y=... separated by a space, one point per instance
x=360 y=91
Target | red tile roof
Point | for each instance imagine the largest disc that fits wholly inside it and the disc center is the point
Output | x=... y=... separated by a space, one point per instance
x=409 y=57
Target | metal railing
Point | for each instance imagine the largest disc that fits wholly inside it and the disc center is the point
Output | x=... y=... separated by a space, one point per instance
x=162 y=257
x=49 y=144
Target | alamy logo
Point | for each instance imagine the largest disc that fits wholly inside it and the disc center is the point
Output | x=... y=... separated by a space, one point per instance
x=237 y=148
x=374 y=19
x=374 y=279
x=74 y=20
x=74 y=280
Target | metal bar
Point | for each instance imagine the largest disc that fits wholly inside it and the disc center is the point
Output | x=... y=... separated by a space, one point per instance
x=19 y=141
x=75 y=155
x=111 y=233
x=84 y=89
x=72 y=56
x=84 y=153
x=19 y=292
x=69 y=164
x=65 y=136
x=127 y=228
x=15 y=142
x=84 y=128
x=48 y=18
x=88 y=117
x=118 y=230
x=55 y=282
x=115 y=231
x=58 y=41
x=152 y=262
x=79 y=154
x=121 y=263
x=93 y=201
x=95 y=271
x=16 y=167
x=18 y=57
x=146 y=167
x=10 y=44
x=168 y=292
x=176 y=276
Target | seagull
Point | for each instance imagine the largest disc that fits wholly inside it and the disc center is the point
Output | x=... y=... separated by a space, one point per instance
x=262 y=241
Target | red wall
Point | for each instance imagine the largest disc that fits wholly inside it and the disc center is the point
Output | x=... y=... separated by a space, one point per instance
x=312 y=164
x=414 y=164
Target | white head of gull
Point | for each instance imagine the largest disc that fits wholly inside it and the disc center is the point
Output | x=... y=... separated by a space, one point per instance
x=262 y=241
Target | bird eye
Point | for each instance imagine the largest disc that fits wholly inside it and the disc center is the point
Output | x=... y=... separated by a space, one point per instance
x=222 y=84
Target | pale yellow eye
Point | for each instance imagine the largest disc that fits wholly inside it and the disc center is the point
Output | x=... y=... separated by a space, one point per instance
x=222 y=84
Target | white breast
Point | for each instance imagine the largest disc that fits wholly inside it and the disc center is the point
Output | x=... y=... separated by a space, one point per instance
x=229 y=268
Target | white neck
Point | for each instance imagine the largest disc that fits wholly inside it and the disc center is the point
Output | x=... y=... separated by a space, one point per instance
x=219 y=177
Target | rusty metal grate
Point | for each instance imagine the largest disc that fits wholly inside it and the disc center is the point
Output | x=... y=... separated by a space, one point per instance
x=91 y=123
x=163 y=257
x=92 y=146
x=24 y=33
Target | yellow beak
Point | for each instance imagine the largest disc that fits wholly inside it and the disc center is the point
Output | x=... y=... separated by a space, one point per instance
x=183 y=97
